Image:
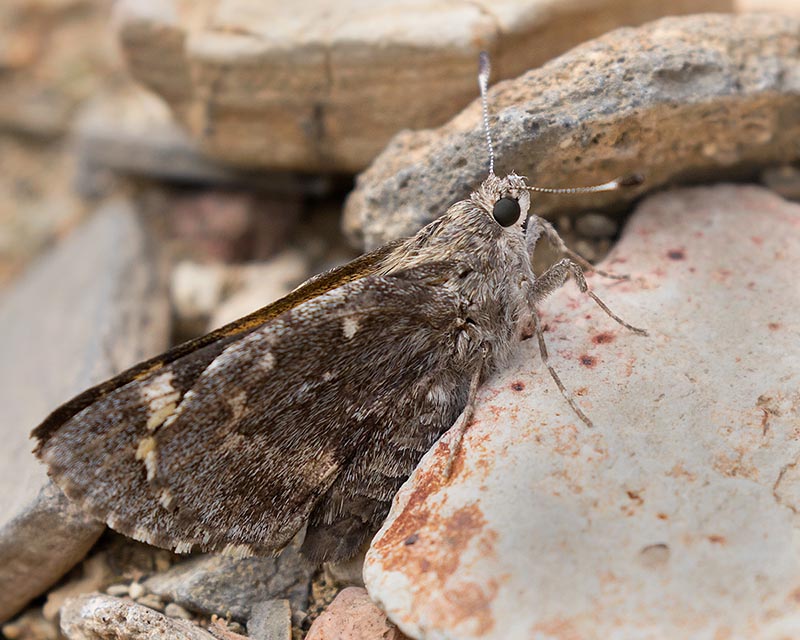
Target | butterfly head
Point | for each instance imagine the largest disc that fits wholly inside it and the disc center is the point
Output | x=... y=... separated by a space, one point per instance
x=505 y=199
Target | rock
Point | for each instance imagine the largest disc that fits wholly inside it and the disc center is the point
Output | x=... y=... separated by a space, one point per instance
x=173 y=610
x=270 y=620
x=677 y=515
x=130 y=131
x=31 y=625
x=783 y=180
x=677 y=99
x=596 y=226
x=233 y=226
x=94 y=574
x=776 y=6
x=196 y=290
x=352 y=615
x=348 y=573
x=257 y=285
x=259 y=85
x=91 y=307
x=225 y=586
x=99 y=617
x=52 y=54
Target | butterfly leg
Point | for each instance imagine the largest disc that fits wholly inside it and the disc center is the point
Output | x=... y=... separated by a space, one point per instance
x=460 y=426
x=541 y=227
x=537 y=328
x=556 y=275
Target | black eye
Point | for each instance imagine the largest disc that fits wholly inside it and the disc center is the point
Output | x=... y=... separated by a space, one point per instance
x=506 y=211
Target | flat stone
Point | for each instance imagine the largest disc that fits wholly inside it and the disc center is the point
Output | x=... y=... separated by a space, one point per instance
x=91 y=307
x=353 y=615
x=676 y=516
x=225 y=586
x=99 y=617
x=270 y=620
x=130 y=131
x=678 y=99
x=261 y=84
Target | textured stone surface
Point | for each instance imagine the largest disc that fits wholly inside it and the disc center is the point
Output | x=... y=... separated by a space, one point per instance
x=677 y=515
x=93 y=306
x=100 y=617
x=223 y=585
x=678 y=99
x=130 y=131
x=353 y=616
x=270 y=620
x=261 y=84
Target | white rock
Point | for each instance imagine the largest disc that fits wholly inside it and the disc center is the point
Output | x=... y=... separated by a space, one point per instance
x=677 y=515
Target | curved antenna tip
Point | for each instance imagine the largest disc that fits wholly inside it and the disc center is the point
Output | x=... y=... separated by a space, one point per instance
x=631 y=180
x=484 y=66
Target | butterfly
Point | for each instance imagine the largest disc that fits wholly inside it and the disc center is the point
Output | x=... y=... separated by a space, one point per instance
x=316 y=408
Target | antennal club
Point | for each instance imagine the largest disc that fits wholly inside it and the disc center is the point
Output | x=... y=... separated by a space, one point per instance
x=631 y=180
x=484 y=70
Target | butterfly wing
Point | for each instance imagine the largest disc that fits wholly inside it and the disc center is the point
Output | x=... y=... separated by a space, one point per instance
x=205 y=348
x=236 y=448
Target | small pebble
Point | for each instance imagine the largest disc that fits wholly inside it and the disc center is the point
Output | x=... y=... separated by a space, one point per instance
x=118 y=590
x=136 y=590
x=152 y=601
x=173 y=610
x=596 y=226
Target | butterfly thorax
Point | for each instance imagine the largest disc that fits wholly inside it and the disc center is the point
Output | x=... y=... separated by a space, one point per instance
x=483 y=263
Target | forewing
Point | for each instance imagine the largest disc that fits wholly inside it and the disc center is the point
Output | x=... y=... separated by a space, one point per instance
x=93 y=444
x=275 y=419
x=232 y=444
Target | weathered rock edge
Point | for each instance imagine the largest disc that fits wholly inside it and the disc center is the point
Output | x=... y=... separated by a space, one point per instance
x=680 y=99
x=261 y=84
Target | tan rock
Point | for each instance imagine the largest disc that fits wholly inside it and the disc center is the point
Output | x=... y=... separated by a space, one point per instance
x=97 y=617
x=263 y=84
x=353 y=616
x=676 y=516
x=678 y=99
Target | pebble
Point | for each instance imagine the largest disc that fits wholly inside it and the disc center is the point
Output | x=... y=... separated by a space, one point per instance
x=353 y=615
x=229 y=586
x=270 y=620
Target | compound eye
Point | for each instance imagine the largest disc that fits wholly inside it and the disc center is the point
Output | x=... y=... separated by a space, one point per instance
x=506 y=211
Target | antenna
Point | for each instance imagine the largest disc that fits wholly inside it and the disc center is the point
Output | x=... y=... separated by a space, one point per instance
x=631 y=180
x=484 y=70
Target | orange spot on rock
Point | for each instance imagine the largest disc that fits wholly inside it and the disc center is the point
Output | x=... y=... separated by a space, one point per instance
x=604 y=338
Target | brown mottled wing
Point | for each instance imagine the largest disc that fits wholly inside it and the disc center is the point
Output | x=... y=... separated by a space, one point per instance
x=320 y=412
x=89 y=442
x=205 y=348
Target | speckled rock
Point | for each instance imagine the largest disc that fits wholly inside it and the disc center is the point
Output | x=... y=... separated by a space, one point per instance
x=270 y=620
x=677 y=515
x=91 y=307
x=232 y=586
x=261 y=84
x=353 y=616
x=100 y=617
x=677 y=99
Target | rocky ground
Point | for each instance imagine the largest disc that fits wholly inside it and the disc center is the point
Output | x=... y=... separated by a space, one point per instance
x=168 y=168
